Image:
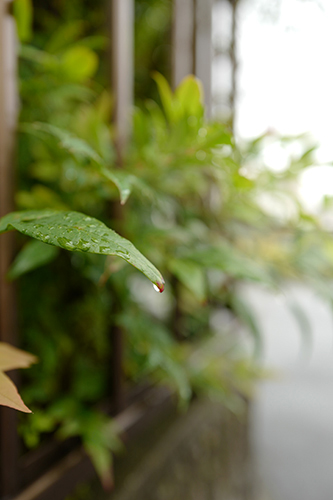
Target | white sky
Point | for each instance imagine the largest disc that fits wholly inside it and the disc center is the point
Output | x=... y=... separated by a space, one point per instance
x=285 y=76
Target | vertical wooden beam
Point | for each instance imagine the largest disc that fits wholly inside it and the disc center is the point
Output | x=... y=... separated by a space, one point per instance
x=234 y=61
x=182 y=40
x=203 y=48
x=122 y=67
x=122 y=62
x=8 y=110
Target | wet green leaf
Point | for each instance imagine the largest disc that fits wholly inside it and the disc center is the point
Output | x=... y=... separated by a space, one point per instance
x=75 y=231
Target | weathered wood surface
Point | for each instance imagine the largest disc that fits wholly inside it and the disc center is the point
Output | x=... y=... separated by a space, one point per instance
x=122 y=33
x=204 y=49
x=182 y=40
x=8 y=114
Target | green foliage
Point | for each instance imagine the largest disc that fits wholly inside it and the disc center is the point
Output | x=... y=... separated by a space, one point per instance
x=34 y=254
x=189 y=199
x=23 y=16
x=77 y=232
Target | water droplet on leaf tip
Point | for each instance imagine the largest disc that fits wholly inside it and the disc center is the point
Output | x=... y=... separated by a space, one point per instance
x=158 y=287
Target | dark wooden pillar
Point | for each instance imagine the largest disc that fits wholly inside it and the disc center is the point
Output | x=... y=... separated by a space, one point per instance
x=8 y=111
x=122 y=70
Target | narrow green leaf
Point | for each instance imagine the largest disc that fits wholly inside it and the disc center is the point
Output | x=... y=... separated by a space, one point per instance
x=122 y=180
x=74 y=145
x=75 y=231
x=191 y=275
x=23 y=14
x=190 y=96
x=102 y=460
x=245 y=314
x=166 y=95
x=67 y=34
x=234 y=263
x=33 y=255
x=81 y=149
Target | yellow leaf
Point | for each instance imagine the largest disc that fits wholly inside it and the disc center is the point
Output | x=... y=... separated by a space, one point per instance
x=12 y=358
x=9 y=395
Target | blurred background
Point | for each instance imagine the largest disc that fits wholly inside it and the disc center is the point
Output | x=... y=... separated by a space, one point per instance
x=223 y=180
x=283 y=85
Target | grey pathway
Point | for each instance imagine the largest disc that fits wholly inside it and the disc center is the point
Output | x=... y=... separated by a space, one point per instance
x=292 y=421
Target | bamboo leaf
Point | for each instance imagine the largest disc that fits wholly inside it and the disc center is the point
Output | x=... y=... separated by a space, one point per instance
x=122 y=180
x=75 y=231
x=167 y=97
x=245 y=314
x=23 y=13
x=81 y=149
x=191 y=275
x=74 y=145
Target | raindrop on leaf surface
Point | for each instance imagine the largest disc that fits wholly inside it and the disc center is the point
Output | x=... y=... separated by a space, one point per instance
x=159 y=287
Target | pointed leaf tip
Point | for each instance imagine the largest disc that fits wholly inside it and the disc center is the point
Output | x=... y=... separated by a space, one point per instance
x=160 y=286
x=75 y=231
x=9 y=395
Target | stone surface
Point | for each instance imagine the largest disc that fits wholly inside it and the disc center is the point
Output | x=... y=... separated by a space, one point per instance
x=204 y=455
x=292 y=418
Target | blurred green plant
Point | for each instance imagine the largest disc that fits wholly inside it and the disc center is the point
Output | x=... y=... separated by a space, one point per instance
x=209 y=214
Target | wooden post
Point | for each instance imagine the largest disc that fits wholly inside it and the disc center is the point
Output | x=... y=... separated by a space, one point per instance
x=8 y=111
x=234 y=62
x=203 y=48
x=122 y=69
x=192 y=51
x=182 y=40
